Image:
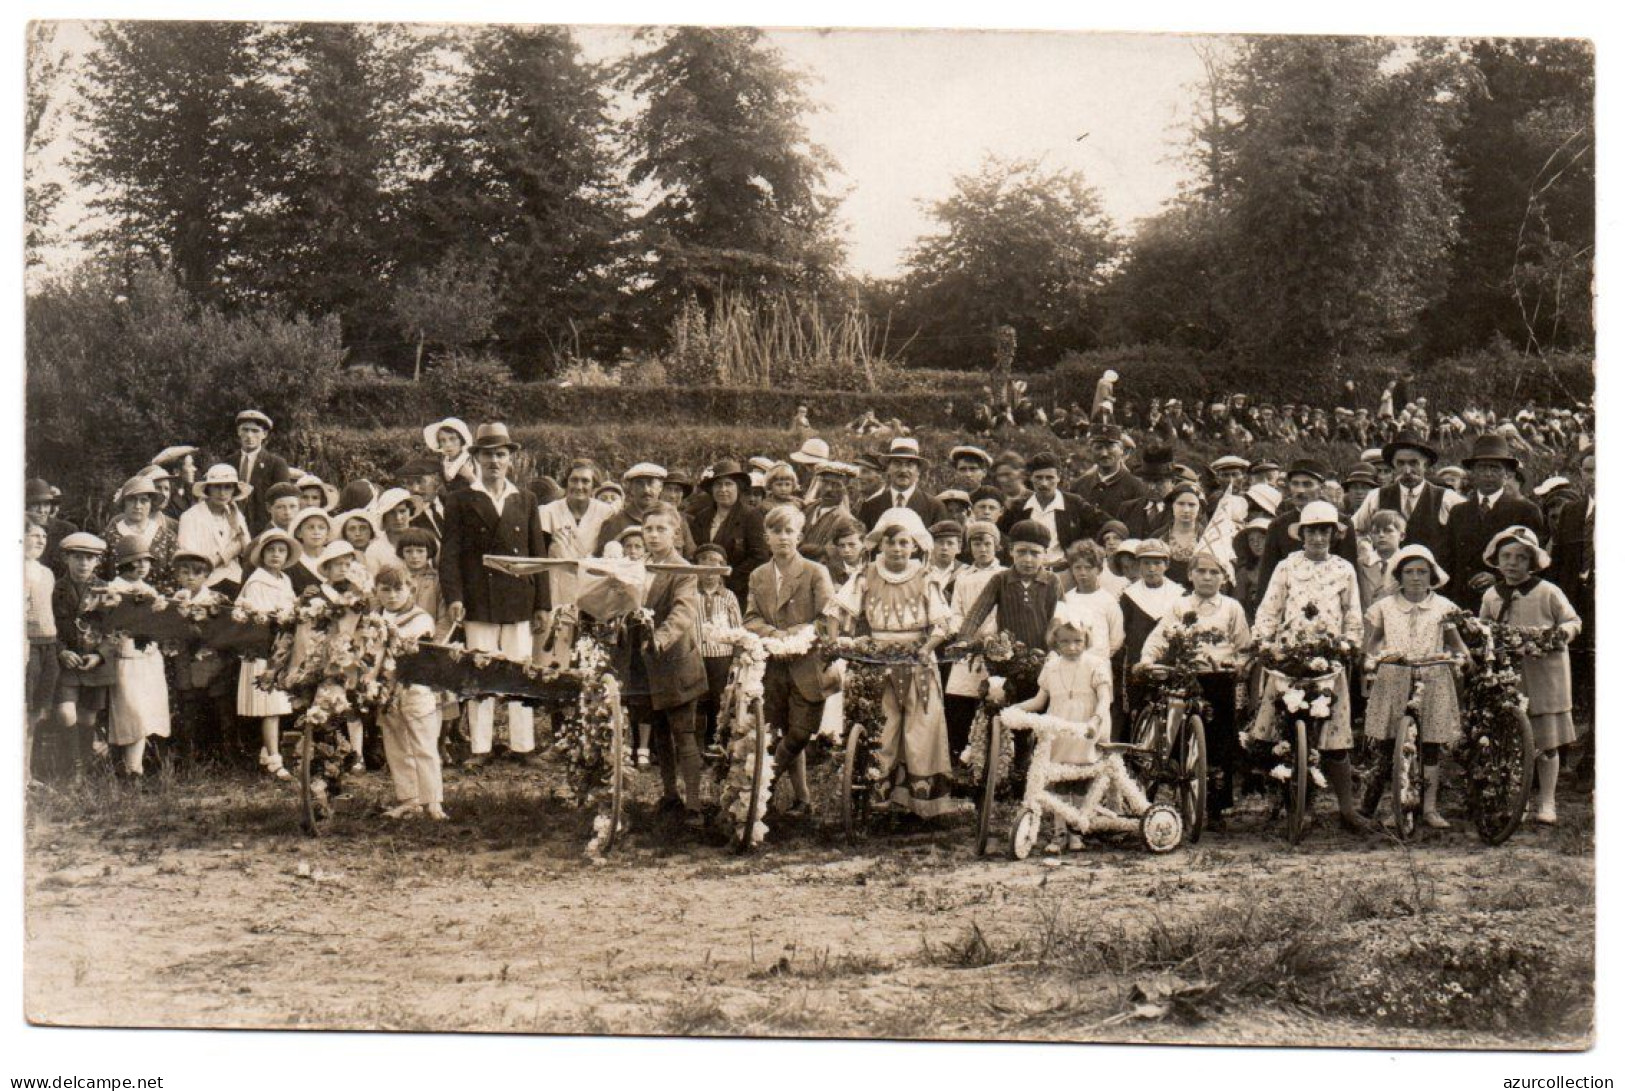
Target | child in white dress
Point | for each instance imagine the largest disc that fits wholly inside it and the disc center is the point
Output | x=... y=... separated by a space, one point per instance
x=1076 y=687
x=267 y=589
x=1414 y=624
x=139 y=705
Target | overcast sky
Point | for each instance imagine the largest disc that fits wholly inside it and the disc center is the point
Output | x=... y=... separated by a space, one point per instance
x=905 y=111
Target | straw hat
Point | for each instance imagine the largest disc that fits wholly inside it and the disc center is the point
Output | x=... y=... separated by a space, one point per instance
x=493 y=437
x=905 y=448
x=222 y=473
x=813 y=452
x=1317 y=513
x=333 y=551
x=363 y=514
x=1524 y=537
x=966 y=450
x=390 y=500
x=139 y=485
x=306 y=516
x=254 y=416
x=431 y=434
x=267 y=536
x=1416 y=552
x=311 y=481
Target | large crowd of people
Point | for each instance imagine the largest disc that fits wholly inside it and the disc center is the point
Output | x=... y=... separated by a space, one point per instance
x=1095 y=567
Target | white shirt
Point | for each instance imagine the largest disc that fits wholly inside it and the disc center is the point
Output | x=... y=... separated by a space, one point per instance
x=1045 y=516
x=500 y=497
x=217 y=537
x=900 y=498
x=1488 y=501
x=1369 y=508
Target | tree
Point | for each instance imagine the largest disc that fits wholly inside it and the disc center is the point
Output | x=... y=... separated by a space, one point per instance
x=450 y=305
x=40 y=199
x=181 y=130
x=515 y=169
x=1017 y=246
x=739 y=204
x=1166 y=289
x=321 y=239
x=1525 y=154
x=1338 y=211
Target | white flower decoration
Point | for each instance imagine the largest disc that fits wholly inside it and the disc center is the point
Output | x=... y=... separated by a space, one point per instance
x=1294 y=700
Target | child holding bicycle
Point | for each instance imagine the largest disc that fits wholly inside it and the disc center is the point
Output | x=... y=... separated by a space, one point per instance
x=1226 y=640
x=1412 y=625
x=1521 y=599
x=1077 y=688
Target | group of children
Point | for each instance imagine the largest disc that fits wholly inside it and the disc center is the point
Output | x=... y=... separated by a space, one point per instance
x=1104 y=606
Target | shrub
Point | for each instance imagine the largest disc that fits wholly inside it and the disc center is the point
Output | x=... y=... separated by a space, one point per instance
x=644 y=374
x=472 y=387
x=587 y=373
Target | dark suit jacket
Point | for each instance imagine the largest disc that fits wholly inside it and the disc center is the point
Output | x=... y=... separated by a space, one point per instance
x=269 y=469
x=819 y=533
x=626 y=518
x=800 y=600
x=1469 y=528
x=742 y=537
x=474 y=528
x=928 y=507
x=1124 y=489
x=1425 y=526
x=668 y=669
x=1278 y=542
x=1570 y=541
x=1143 y=516
x=431 y=520
x=1075 y=520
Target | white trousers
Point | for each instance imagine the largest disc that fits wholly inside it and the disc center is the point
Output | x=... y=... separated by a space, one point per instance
x=411 y=727
x=513 y=642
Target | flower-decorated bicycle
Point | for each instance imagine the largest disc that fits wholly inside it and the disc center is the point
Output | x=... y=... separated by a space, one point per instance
x=1013 y=670
x=1497 y=747
x=1404 y=765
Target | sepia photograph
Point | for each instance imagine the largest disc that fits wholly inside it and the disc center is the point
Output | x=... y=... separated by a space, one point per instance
x=888 y=534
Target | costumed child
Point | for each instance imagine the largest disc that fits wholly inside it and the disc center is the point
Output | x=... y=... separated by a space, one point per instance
x=1206 y=610
x=267 y=590
x=1526 y=601
x=962 y=693
x=139 y=705
x=786 y=597
x=1414 y=624
x=410 y=721
x=1075 y=687
x=205 y=691
x=39 y=680
x=719 y=612
x=86 y=680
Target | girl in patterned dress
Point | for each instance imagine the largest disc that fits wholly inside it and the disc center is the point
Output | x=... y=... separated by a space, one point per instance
x=1522 y=599
x=895 y=599
x=1415 y=624
x=1313 y=591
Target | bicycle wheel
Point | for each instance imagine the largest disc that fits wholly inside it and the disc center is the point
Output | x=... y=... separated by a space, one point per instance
x=753 y=804
x=307 y=799
x=1191 y=754
x=617 y=775
x=1498 y=803
x=1143 y=730
x=1298 y=787
x=1024 y=832
x=850 y=779
x=990 y=784
x=1405 y=778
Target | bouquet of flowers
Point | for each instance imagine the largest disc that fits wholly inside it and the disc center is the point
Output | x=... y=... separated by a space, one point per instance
x=1184 y=657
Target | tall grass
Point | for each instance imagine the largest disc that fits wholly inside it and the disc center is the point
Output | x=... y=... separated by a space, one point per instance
x=778 y=340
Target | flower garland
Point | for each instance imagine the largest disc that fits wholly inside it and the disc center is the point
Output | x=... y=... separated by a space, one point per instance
x=1489 y=748
x=974 y=754
x=583 y=729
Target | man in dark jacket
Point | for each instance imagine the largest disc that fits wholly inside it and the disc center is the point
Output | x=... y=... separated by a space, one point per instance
x=1303 y=481
x=903 y=463
x=498 y=612
x=257 y=467
x=1111 y=487
x=1065 y=515
x=1145 y=514
x=1488 y=510
x=1574 y=564
x=1424 y=505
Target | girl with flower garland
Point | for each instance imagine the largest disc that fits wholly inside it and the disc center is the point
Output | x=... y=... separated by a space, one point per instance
x=1075 y=687
x=1521 y=599
x=896 y=601
x=267 y=589
x=1413 y=624
x=1207 y=611
x=1311 y=592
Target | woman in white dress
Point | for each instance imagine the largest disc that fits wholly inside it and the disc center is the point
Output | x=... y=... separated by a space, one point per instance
x=267 y=589
x=139 y=705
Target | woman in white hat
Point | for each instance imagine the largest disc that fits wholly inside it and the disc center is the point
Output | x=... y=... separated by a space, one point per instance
x=215 y=526
x=359 y=527
x=1313 y=591
x=451 y=439
x=1412 y=624
x=1523 y=600
x=267 y=590
x=900 y=605
x=141 y=517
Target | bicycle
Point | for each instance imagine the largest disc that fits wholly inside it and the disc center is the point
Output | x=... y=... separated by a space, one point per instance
x=1497 y=748
x=1169 y=742
x=1405 y=760
x=1302 y=737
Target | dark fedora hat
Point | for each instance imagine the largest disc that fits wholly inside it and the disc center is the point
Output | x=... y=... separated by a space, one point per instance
x=38 y=491
x=1411 y=440
x=490 y=437
x=1310 y=468
x=1157 y=460
x=728 y=469
x=1491 y=448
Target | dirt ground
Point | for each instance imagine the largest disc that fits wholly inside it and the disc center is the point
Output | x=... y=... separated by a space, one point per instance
x=197 y=903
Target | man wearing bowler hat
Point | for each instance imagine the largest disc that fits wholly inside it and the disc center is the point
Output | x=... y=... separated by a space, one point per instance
x=498 y=612
x=1487 y=510
x=902 y=489
x=1424 y=505
x=1145 y=515
x=1063 y=514
x=256 y=467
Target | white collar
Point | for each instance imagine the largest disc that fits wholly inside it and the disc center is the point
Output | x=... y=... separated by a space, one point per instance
x=1491 y=500
x=1057 y=504
x=497 y=498
x=906 y=494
